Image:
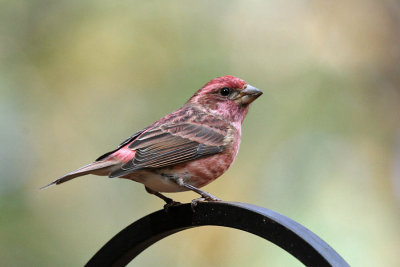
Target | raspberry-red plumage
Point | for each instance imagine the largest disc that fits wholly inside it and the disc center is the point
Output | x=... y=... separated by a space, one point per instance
x=192 y=146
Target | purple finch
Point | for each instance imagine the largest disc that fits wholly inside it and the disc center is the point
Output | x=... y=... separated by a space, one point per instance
x=186 y=149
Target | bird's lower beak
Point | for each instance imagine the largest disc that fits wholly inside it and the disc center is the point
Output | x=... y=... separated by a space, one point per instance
x=249 y=94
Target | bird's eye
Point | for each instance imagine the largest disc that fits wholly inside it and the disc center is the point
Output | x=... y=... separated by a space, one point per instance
x=225 y=91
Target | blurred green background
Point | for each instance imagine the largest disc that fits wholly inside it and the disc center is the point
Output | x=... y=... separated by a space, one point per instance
x=322 y=145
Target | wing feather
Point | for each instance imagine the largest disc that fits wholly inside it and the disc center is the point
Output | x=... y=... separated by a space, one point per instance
x=122 y=144
x=169 y=144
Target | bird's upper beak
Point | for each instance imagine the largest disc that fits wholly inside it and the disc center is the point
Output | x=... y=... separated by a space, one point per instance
x=249 y=94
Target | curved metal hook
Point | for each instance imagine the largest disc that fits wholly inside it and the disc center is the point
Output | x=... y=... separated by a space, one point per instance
x=278 y=229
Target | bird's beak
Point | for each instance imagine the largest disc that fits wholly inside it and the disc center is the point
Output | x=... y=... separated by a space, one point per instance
x=249 y=94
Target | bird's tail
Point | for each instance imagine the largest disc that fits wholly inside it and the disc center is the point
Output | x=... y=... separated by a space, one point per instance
x=97 y=168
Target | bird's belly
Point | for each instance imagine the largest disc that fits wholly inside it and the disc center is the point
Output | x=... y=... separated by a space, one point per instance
x=197 y=173
x=158 y=181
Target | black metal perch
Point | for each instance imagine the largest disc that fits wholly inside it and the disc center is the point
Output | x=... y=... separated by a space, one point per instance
x=280 y=230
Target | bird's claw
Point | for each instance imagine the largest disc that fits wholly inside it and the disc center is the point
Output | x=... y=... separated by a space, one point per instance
x=170 y=204
x=205 y=197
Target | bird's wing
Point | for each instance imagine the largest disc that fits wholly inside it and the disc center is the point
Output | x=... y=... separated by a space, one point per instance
x=170 y=143
x=129 y=139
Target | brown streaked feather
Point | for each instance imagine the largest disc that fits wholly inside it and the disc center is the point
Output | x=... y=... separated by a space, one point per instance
x=130 y=139
x=172 y=143
x=157 y=156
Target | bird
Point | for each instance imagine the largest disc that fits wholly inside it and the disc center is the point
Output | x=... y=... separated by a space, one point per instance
x=186 y=149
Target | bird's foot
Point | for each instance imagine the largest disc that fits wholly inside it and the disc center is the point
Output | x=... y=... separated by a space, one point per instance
x=169 y=201
x=204 y=197
x=171 y=204
x=208 y=197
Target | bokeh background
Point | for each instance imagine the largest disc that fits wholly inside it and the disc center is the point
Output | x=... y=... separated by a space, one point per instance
x=322 y=145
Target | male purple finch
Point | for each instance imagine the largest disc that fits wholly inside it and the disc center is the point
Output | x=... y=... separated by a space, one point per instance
x=186 y=149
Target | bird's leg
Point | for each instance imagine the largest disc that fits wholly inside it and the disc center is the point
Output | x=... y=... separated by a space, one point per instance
x=169 y=201
x=205 y=196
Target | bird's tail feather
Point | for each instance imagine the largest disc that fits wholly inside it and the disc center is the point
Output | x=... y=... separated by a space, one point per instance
x=97 y=167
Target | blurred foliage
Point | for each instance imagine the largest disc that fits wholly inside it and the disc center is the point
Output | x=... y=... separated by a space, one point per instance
x=322 y=145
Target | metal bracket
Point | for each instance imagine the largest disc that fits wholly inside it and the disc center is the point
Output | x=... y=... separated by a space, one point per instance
x=272 y=226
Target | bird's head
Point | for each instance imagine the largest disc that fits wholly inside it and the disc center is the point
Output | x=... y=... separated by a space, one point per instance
x=227 y=96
